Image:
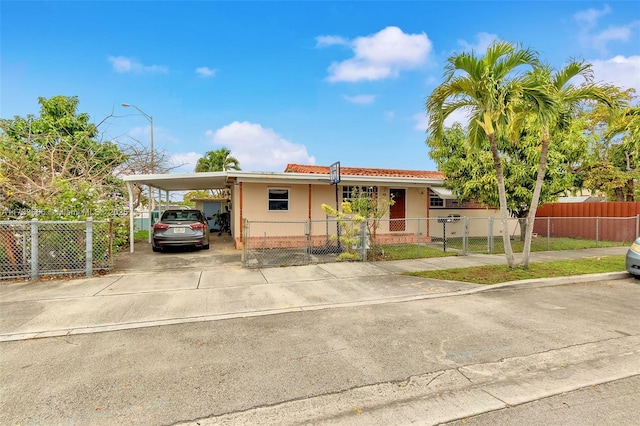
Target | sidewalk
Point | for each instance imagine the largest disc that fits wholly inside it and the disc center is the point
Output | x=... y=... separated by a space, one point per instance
x=133 y=300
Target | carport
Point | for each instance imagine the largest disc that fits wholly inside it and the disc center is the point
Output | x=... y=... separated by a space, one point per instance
x=168 y=183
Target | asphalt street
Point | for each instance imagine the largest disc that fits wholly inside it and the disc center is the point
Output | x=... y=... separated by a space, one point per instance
x=424 y=361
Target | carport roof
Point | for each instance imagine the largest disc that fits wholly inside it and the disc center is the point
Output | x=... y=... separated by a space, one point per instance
x=214 y=180
x=181 y=181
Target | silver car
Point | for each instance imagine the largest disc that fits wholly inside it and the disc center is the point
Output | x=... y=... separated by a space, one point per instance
x=633 y=259
x=181 y=228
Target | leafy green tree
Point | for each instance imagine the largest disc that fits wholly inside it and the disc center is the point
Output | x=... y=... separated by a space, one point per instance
x=612 y=168
x=46 y=158
x=55 y=167
x=508 y=107
x=568 y=88
x=361 y=209
x=488 y=89
x=471 y=175
x=350 y=222
x=219 y=160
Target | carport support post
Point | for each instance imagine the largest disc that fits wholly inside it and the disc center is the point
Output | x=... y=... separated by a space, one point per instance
x=89 y=247
x=131 y=233
x=34 y=249
x=151 y=205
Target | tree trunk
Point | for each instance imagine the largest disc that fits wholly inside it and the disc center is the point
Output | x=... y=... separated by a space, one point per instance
x=504 y=214
x=542 y=166
x=523 y=228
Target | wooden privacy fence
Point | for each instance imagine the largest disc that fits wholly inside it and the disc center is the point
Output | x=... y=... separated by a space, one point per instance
x=587 y=220
x=590 y=209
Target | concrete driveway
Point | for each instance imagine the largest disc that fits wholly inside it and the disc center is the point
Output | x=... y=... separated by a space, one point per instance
x=143 y=259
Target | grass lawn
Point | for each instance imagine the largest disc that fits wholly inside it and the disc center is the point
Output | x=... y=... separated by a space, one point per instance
x=141 y=236
x=494 y=274
x=407 y=251
x=454 y=247
x=537 y=244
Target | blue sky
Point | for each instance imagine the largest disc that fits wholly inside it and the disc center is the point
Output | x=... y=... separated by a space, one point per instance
x=285 y=82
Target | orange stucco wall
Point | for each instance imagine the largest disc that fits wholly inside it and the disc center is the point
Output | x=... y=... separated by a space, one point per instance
x=250 y=201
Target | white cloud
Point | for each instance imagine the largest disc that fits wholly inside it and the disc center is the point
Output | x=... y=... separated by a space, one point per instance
x=458 y=116
x=422 y=120
x=381 y=55
x=259 y=149
x=389 y=115
x=482 y=41
x=360 y=99
x=184 y=162
x=123 y=65
x=324 y=41
x=589 y=18
x=619 y=70
x=206 y=71
x=590 y=37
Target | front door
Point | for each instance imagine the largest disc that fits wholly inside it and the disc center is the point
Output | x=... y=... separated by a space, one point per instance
x=397 y=211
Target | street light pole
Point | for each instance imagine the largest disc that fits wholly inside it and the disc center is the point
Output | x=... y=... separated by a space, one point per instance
x=150 y=118
x=151 y=191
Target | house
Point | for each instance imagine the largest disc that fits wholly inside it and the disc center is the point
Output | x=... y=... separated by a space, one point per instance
x=294 y=197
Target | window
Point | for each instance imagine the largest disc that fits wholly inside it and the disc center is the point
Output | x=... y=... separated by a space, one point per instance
x=278 y=199
x=435 y=200
x=348 y=192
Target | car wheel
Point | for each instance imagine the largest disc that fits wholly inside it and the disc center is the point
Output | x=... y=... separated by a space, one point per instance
x=205 y=247
x=156 y=249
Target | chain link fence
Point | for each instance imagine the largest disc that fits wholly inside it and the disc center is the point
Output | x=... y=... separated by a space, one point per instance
x=32 y=249
x=290 y=243
x=307 y=242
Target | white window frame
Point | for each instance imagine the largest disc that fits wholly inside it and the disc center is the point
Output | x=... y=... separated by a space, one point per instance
x=269 y=199
x=434 y=196
x=369 y=190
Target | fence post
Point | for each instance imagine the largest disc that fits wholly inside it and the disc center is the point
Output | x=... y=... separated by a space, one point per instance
x=490 y=236
x=245 y=242
x=34 y=249
x=363 y=241
x=89 y=247
x=465 y=235
x=111 y=237
x=597 y=230
x=418 y=235
x=307 y=231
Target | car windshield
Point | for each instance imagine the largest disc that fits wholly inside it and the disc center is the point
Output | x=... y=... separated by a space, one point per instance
x=181 y=216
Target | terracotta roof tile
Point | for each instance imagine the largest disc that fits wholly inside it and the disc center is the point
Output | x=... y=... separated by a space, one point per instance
x=361 y=171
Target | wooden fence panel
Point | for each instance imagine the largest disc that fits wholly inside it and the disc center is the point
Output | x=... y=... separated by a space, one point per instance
x=590 y=209
x=604 y=221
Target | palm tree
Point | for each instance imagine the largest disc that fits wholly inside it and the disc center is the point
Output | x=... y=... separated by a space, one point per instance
x=553 y=120
x=219 y=160
x=487 y=88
